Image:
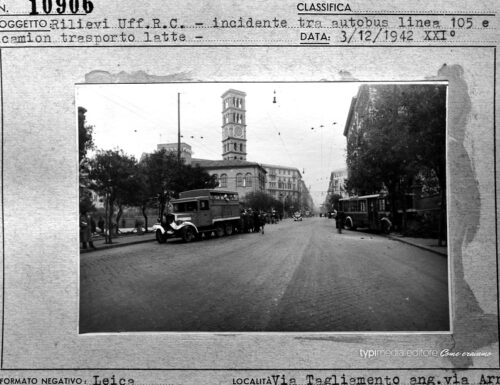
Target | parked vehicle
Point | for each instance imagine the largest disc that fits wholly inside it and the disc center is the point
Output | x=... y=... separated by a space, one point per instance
x=369 y=211
x=297 y=216
x=200 y=212
x=420 y=213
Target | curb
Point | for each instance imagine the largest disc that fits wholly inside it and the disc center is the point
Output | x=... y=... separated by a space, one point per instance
x=113 y=245
x=402 y=240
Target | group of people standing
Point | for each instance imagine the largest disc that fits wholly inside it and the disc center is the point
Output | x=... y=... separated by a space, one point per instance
x=253 y=220
x=88 y=227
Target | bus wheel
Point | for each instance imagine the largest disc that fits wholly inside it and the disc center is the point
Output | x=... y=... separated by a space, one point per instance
x=228 y=229
x=188 y=234
x=160 y=237
x=386 y=228
x=219 y=230
x=348 y=224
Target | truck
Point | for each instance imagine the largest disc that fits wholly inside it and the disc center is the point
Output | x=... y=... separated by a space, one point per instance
x=198 y=213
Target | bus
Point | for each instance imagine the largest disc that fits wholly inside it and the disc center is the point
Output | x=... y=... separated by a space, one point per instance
x=367 y=211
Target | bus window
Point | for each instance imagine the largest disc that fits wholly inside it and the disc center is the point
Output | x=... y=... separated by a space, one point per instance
x=362 y=206
x=204 y=205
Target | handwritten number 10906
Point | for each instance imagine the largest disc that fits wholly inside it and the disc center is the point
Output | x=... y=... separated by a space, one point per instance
x=61 y=6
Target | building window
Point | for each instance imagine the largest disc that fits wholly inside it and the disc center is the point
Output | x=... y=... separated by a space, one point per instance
x=223 y=180
x=239 y=180
x=241 y=147
x=216 y=178
x=248 y=180
x=235 y=147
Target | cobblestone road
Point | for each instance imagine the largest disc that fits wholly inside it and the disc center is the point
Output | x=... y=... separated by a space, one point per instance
x=299 y=276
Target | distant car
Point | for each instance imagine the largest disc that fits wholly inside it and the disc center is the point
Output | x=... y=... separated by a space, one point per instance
x=297 y=216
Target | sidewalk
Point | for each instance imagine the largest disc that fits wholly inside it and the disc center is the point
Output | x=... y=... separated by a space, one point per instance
x=119 y=240
x=429 y=244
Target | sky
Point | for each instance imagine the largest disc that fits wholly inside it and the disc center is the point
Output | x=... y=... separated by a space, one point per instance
x=303 y=129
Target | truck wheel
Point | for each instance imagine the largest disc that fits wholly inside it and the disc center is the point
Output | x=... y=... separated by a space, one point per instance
x=161 y=238
x=348 y=224
x=219 y=230
x=188 y=234
x=228 y=229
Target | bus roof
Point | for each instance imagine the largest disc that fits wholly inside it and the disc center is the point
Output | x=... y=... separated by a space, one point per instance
x=204 y=193
x=362 y=197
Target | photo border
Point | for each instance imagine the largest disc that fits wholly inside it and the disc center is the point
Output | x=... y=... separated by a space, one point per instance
x=2 y=367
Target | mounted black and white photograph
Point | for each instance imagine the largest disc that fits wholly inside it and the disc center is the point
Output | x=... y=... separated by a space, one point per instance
x=263 y=207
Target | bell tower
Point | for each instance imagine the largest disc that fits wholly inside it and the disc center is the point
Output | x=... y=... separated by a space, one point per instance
x=234 y=135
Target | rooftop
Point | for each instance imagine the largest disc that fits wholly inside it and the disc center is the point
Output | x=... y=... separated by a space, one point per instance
x=282 y=167
x=233 y=91
x=207 y=163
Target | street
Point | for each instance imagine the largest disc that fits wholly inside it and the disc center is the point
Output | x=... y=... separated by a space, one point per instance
x=297 y=277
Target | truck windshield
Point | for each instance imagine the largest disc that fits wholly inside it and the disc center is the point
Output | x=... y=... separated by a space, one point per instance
x=185 y=206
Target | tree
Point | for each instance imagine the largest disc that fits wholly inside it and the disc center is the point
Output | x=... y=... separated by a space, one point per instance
x=427 y=111
x=112 y=174
x=333 y=202
x=129 y=192
x=400 y=136
x=85 y=140
x=163 y=178
x=259 y=200
x=85 y=143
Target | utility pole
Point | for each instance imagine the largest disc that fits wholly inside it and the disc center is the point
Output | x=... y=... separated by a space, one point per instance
x=179 y=127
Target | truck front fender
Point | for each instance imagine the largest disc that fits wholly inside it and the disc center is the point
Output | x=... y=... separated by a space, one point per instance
x=184 y=224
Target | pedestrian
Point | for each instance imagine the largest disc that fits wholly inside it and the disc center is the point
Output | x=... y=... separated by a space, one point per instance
x=243 y=221
x=256 y=221
x=93 y=225
x=100 y=224
x=262 y=222
x=249 y=217
x=85 y=231
x=339 y=221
